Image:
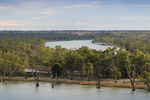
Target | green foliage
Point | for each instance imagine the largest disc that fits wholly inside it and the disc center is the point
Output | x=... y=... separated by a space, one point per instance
x=56 y=69
x=130 y=43
x=19 y=53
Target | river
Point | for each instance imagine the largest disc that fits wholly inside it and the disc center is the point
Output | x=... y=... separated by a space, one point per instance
x=28 y=91
x=75 y=44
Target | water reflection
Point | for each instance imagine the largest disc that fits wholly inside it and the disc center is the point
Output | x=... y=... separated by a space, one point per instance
x=28 y=91
x=75 y=44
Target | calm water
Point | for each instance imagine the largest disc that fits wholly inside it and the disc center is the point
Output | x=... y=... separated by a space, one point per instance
x=75 y=44
x=28 y=91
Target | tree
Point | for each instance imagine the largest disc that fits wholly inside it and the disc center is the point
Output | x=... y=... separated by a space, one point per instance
x=129 y=67
x=116 y=62
x=88 y=70
x=100 y=66
x=146 y=75
x=1 y=63
x=136 y=61
x=56 y=70
x=38 y=57
x=16 y=65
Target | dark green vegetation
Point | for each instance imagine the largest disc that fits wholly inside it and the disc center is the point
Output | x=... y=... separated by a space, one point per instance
x=47 y=35
x=131 y=41
x=22 y=52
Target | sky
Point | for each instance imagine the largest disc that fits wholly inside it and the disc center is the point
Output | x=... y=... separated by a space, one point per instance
x=74 y=14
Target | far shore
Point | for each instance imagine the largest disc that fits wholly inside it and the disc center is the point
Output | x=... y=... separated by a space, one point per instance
x=123 y=83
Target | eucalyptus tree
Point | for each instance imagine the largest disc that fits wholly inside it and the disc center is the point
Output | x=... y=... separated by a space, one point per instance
x=11 y=64
x=89 y=70
x=1 y=63
x=146 y=71
x=56 y=70
x=73 y=62
x=136 y=62
x=88 y=58
x=16 y=65
x=146 y=75
x=37 y=57
x=116 y=63
x=108 y=60
x=100 y=66
x=6 y=64
x=129 y=67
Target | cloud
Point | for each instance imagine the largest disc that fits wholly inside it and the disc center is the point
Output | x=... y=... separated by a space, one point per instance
x=24 y=12
x=82 y=6
x=48 y=12
x=86 y=5
x=142 y=18
x=141 y=6
x=80 y=23
x=61 y=23
x=2 y=8
x=145 y=6
x=9 y=23
x=95 y=2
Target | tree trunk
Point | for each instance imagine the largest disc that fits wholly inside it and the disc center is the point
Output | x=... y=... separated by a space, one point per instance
x=9 y=78
x=0 y=78
x=37 y=79
x=116 y=76
x=4 y=76
x=81 y=74
x=57 y=78
x=11 y=74
x=133 y=88
x=148 y=87
x=33 y=74
x=51 y=75
x=98 y=83
x=88 y=77
x=71 y=75
x=133 y=81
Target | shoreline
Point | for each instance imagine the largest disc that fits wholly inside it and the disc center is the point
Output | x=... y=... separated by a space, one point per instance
x=68 y=81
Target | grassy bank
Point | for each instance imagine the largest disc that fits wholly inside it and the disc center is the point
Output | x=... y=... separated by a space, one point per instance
x=124 y=83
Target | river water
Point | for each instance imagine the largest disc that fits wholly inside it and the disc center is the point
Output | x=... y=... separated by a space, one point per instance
x=28 y=91
x=75 y=44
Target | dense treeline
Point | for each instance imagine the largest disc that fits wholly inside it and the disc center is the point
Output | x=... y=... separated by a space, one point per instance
x=141 y=36
x=16 y=54
x=128 y=42
x=48 y=35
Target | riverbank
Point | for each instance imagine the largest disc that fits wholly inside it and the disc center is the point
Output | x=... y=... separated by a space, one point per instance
x=124 y=83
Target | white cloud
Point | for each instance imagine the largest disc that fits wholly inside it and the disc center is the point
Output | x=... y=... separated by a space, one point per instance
x=80 y=23
x=82 y=6
x=9 y=23
x=61 y=23
x=95 y=2
x=2 y=8
x=23 y=12
x=48 y=12
x=133 y=18
x=137 y=5
x=86 y=5
x=146 y=6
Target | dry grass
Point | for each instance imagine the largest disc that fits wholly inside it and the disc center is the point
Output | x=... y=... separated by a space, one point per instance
x=121 y=83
